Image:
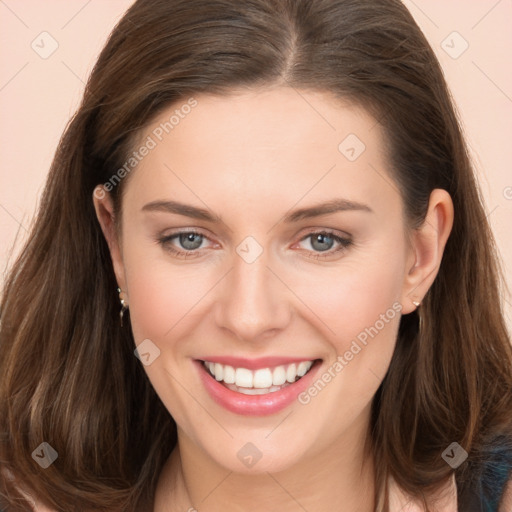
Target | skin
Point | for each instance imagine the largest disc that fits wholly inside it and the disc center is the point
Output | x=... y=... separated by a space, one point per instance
x=251 y=157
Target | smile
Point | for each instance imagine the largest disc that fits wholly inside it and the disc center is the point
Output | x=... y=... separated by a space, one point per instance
x=258 y=382
x=261 y=390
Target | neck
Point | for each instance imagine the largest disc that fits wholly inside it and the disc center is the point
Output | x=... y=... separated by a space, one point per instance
x=340 y=478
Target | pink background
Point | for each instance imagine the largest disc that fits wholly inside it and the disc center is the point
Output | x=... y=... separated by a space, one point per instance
x=39 y=95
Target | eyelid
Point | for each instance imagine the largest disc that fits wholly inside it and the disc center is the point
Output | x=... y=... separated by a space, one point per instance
x=179 y=231
x=343 y=239
x=330 y=231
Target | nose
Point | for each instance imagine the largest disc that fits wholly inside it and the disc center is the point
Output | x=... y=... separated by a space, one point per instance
x=253 y=302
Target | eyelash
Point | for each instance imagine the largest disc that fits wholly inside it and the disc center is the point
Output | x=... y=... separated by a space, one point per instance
x=344 y=243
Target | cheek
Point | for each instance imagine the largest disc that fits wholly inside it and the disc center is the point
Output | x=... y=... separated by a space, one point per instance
x=362 y=310
x=162 y=295
x=358 y=305
x=354 y=297
x=360 y=315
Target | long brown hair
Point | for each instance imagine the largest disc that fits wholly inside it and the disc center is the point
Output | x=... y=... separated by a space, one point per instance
x=68 y=375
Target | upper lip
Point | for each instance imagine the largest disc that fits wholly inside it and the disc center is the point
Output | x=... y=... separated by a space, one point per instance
x=254 y=364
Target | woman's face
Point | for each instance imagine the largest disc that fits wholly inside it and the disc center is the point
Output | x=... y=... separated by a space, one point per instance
x=272 y=278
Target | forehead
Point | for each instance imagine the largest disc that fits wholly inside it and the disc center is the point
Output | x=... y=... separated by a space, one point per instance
x=275 y=143
x=267 y=119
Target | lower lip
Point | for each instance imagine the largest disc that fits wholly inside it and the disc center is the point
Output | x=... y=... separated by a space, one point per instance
x=254 y=405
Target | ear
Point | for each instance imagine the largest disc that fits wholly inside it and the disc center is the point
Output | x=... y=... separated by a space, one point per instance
x=426 y=249
x=104 y=207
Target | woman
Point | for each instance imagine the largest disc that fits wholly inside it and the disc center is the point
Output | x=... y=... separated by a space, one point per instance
x=176 y=335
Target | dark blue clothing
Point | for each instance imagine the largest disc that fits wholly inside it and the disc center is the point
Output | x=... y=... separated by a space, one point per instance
x=485 y=494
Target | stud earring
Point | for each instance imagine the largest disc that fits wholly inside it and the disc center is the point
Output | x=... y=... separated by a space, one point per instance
x=416 y=303
x=124 y=304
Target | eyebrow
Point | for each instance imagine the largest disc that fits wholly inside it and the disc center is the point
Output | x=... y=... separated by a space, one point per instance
x=194 y=212
x=332 y=206
x=186 y=210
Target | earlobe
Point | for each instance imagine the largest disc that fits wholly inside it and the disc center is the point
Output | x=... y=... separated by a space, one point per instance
x=104 y=208
x=427 y=246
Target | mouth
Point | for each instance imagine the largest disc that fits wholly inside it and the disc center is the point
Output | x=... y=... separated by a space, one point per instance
x=259 y=390
x=260 y=381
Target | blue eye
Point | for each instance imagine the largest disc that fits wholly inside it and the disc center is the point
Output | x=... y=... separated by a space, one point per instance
x=190 y=241
x=323 y=241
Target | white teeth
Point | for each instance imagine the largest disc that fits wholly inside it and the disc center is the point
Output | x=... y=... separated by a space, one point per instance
x=291 y=373
x=303 y=367
x=229 y=374
x=255 y=391
x=278 y=376
x=252 y=391
x=219 y=371
x=243 y=378
x=263 y=380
